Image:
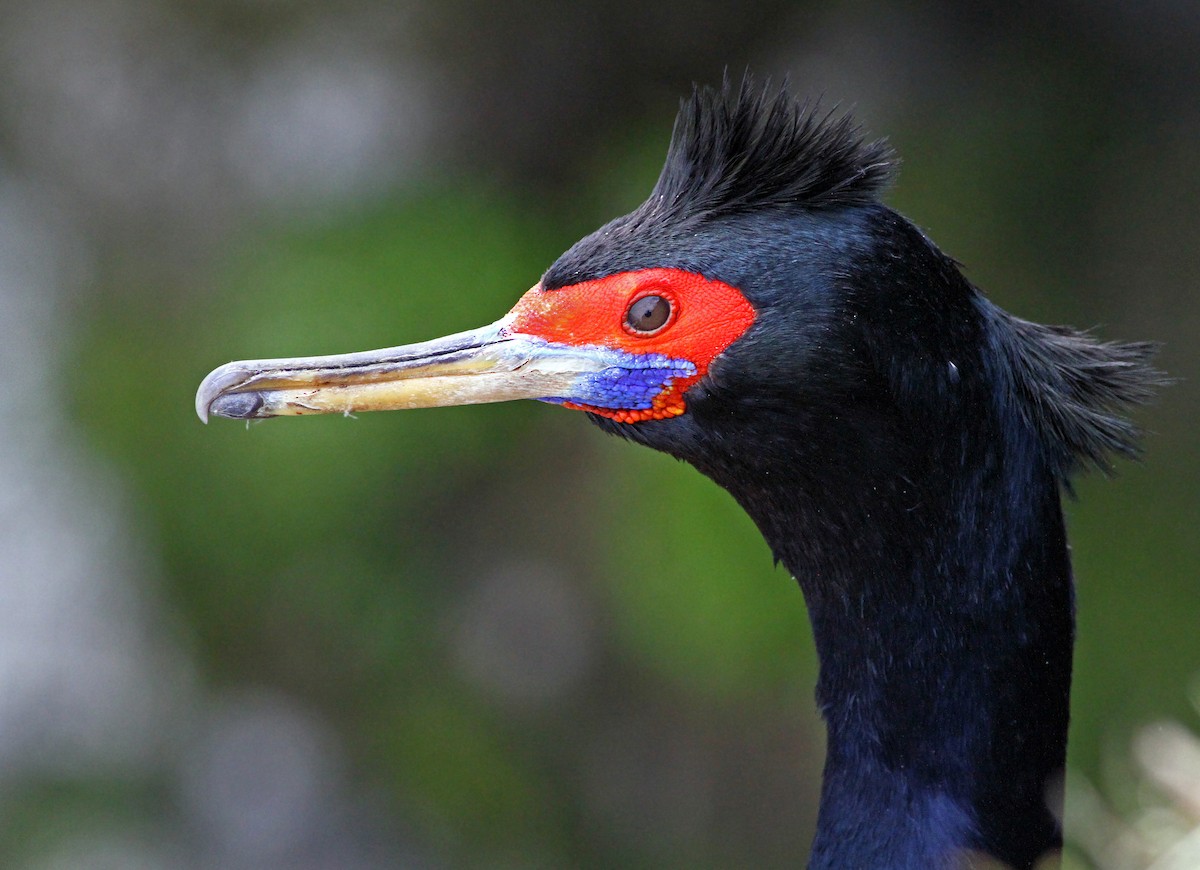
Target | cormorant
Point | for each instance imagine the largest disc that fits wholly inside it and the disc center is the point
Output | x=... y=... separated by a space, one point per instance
x=900 y=441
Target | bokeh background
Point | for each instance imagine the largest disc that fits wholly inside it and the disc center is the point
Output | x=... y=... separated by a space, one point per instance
x=489 y=636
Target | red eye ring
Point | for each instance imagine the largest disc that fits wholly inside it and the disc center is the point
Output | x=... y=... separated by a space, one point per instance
x=648 y=314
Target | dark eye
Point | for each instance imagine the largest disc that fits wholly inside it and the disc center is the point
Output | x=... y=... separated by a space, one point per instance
x=648 y=314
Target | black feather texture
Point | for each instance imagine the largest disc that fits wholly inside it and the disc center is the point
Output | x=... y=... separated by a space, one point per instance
x=1075 y=390
x=752 y=148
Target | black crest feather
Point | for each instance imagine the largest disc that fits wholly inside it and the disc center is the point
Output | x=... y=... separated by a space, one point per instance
x=1077 y=390
x=747 y=148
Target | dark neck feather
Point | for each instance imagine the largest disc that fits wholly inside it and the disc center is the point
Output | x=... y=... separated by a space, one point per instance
x=945 y=641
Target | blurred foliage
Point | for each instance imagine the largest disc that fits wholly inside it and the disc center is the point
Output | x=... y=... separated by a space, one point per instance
x=331 y=558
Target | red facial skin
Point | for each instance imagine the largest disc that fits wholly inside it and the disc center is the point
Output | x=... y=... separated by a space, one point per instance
x=706 y=318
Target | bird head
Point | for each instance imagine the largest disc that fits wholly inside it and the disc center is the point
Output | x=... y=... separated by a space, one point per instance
x=654 y=315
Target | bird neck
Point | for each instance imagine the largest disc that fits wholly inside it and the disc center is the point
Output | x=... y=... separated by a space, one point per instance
x=942 y=608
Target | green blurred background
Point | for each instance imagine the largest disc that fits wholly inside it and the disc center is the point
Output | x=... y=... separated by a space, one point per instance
x=490 y=636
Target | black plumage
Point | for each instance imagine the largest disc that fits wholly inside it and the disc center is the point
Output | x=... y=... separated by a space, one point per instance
x=901 y=443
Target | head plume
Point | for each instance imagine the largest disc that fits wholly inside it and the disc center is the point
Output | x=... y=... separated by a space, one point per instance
x=748 y=148
x=1075 y=390
x=738 y=150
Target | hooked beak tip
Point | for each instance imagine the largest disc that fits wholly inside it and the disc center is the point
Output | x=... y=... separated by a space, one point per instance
x=213 y=397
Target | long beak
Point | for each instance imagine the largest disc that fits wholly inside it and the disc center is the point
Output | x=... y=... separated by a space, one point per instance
x=483 y=365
